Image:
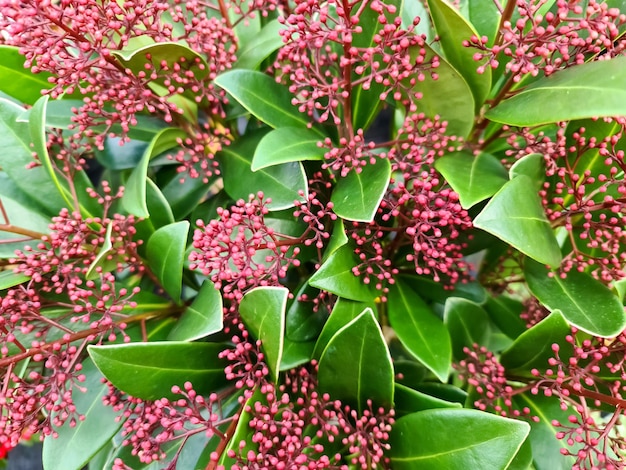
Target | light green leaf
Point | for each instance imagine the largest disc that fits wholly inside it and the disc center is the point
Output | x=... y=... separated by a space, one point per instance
x=467 y=323
x=485 y=17
x=74 y=446
x=601 y=85
x=264 y=43
x=134 y=199
x=10 y=279
x=452 y=438
x=149 y=370
x=452 y=30
x=336 y=276
x=532 y=166
x=419 y=330
x=584 y=301
x=202 y=318
x=287 y=144
x=259 y=93
x=283 y=184
x=358 y=195
x=516 y=216
x=263 y=312
x=27 y=217
x=356 y=365
x=166 y=254
x=473 y=178
x=17 y=81
x=103 y=260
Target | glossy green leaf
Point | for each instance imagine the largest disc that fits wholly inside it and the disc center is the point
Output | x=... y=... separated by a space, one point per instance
x=17 y=81
x=74 y=446
x=265 y=99
x=166 y=255
x=410 y=11
x=134 y=199
x=601 y=85
x=451 y=438
x=409 y=401
x=356 y=365
x=546 y=447
x=202 y=318
x=184 y=196
x=104 y=260
x=473 y=178
x=263 y=312
x=282 y=184
x=265 y=43
x=358 y=195
x=344 y=311
x=467 y=323
x=149 y=370
x=302 y=322
x=296 y=353
x=584 y=301
x=516 y=216
x=10 y=279
x=484 y=15
x=336 y=276
x=531 y=165
x=241 y=440
x=287 y=144
x=337 y=239
x=419 y=330
x=458 y=107
x=435 y=291
x=533 y=348
x=452 y=30
x=505 y=313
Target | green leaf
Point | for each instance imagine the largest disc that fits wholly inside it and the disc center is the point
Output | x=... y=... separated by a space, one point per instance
x=532 y=166
x=241 y=440
x=467 y=323
x=20 y=216
x=74 y=446
x=419 y=330
x=264 y=43
x=505 y=313
x=409 y=401
x=104 y=260
x=515 y=215
x=485 y=17
x=302 y=322
x=358 y=195
x=287 y=144
x=10 y=279
x=451 y=438
x=283 y=184
x=458 y=107
x=149 y=370
x=344 y=311
x=184 y=196
x=166 y=255
x=452 y=30
x=601 y=85
x=533 y=348
x=296 y=354
x=263 y=312
x=356 y=365
x=265 y=99
x=16 y=80
x=473 y=178
x=336 y=276
x=202 y=318
x=584 y=301
x=134 y=199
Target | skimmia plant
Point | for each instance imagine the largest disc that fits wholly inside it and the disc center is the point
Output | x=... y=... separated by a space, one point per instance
x=307 y=234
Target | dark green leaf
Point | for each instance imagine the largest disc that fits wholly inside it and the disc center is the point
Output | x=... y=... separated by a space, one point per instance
x=357 y=196
x=584 y=301
x=505 y=313
x=17 y=81
x=452 y=30
x=601 y=85
x=451 y=438
x=74 y=446
x=264 y=43
x=435 y=291
x=467 y=323
x=287 y=144
x=409 y=401
x=516 y=216
x=134 y=199
x=263 y=312
x=296 y=354
x=283 y=184
x=485 y=17
x=457 y=109
x=149 y=370
x=259 y=93
x=184 y=196
x=336 y=276
x=356 y=366
x=344 y=311
x=202 y=318
x=532 y=349
x=302 y=322
x=473 y=178
x=166 y=254
x=420 y=331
